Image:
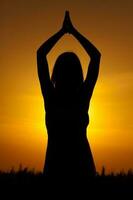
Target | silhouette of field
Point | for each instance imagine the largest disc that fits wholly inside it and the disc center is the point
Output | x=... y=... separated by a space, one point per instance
x=28 y=183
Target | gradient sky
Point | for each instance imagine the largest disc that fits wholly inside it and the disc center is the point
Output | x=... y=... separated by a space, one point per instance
x=24 y=25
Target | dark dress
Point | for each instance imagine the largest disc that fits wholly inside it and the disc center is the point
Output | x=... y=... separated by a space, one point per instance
x=68 y=151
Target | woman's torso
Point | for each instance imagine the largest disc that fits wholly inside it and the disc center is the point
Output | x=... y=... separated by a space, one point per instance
x=68 y=148
x=67 y=115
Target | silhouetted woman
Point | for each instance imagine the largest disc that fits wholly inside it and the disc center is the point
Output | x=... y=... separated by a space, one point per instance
x=67 y=97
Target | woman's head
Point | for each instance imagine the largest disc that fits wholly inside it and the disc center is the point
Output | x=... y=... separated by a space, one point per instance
x=67 y=73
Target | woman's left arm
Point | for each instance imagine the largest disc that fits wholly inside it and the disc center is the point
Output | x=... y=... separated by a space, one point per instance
x=93 y=52
x=93 y=68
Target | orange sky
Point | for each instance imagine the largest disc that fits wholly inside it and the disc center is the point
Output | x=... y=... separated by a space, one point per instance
x=24 y=26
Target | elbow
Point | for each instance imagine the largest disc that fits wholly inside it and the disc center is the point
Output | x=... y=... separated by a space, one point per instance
x=38 y=51
x=98 y=54
x=38 y=55
x=41 y=51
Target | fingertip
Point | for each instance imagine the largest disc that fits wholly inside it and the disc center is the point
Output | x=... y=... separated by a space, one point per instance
x=67 y=12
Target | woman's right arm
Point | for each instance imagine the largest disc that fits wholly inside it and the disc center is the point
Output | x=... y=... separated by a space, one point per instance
x=42 y=64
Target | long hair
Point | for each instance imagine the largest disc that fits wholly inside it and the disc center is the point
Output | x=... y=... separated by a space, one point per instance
x=67 y=73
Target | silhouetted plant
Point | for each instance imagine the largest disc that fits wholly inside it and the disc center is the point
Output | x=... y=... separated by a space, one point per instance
x=103 y=171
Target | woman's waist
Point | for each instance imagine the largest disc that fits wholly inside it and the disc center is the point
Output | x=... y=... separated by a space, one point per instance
x=67 y=142
x=67 y=121
x=66 y=135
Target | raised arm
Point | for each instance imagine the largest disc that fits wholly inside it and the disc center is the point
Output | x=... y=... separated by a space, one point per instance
x=93 y=68
x=42 y=64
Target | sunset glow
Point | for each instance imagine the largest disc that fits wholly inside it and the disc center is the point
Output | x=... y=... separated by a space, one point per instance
x=25 y=25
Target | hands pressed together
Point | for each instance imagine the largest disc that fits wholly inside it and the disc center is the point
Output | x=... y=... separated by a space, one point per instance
x=91 y=50
x=67 y=24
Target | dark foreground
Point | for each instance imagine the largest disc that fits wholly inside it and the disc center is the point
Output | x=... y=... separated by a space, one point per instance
x=27 y=185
